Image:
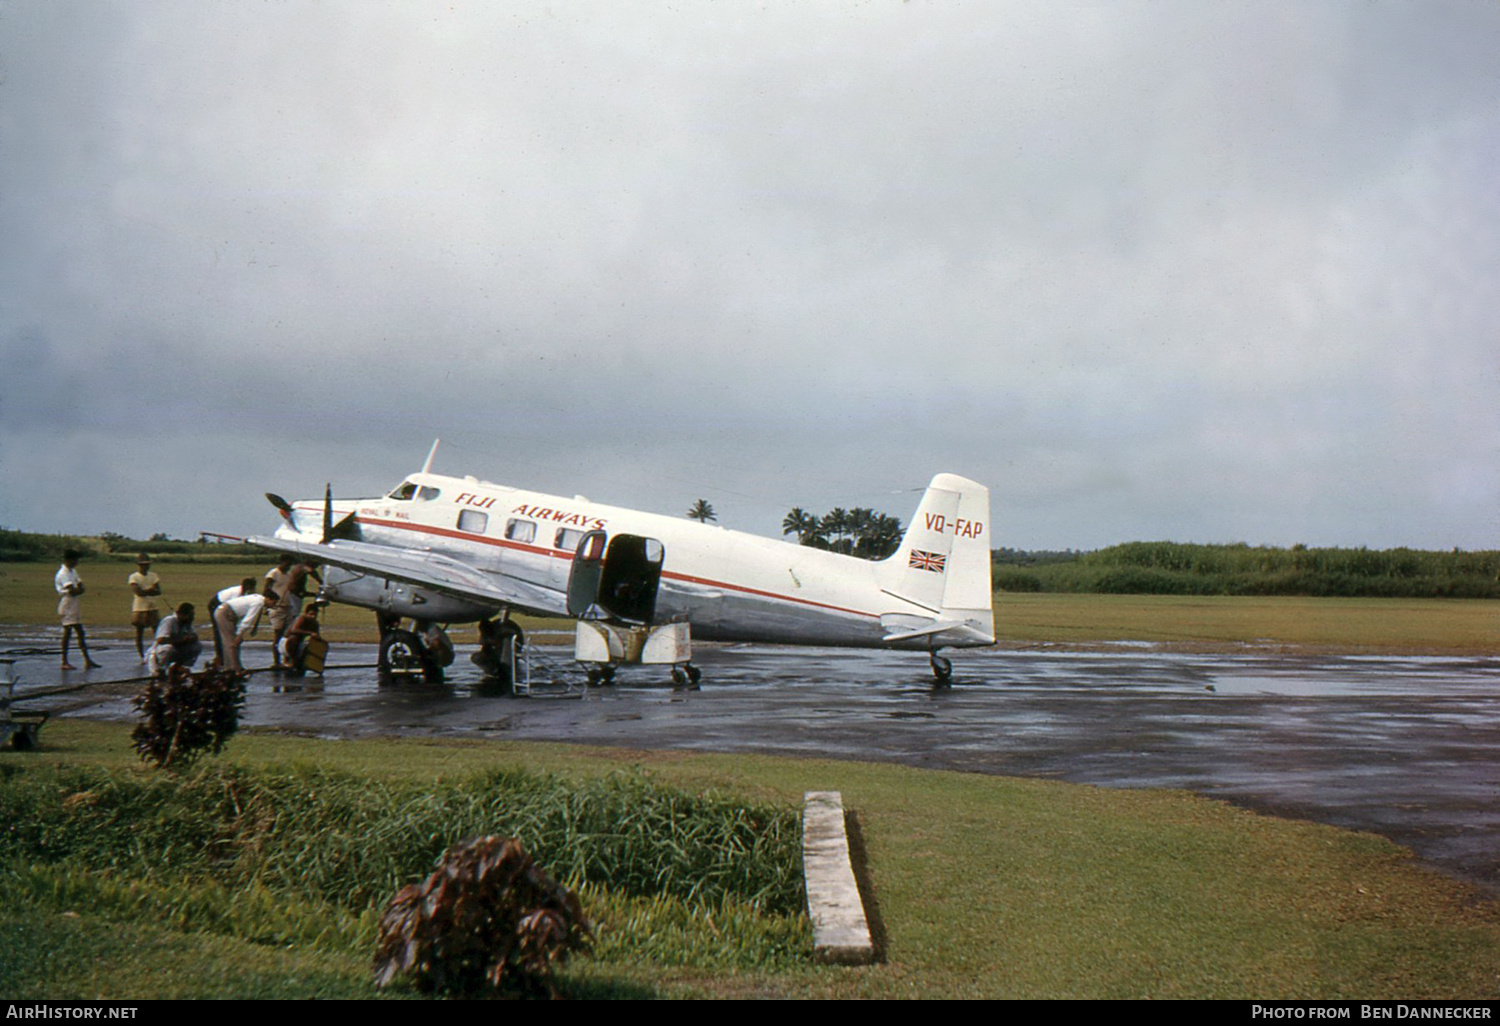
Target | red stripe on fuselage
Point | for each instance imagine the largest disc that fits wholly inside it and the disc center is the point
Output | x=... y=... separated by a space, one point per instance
x=505 y=543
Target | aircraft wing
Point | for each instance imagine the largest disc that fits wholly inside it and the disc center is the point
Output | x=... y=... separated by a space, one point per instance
x=429 y=570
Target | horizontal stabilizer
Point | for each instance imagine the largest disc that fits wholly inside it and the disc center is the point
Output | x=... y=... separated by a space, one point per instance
x=936 y=627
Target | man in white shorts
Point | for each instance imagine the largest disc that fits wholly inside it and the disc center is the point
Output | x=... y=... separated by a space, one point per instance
x=70 y=608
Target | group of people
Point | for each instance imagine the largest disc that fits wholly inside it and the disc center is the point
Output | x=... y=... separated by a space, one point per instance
x=236 y=612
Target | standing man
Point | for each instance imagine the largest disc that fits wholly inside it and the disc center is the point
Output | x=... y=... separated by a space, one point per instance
x=70 y=608
x=285 y=590
x=235 y=619
x=144 y=586
x=278 y=593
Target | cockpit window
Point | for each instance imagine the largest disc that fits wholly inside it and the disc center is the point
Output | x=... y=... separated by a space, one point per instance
x=405 y=490
x=427 y=493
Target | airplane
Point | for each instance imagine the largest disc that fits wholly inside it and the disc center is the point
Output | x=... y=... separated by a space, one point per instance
x=442 y=550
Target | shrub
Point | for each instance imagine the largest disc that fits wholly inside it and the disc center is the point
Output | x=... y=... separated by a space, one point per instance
x=487 y=917
x=1017 y=580
x=185 y=713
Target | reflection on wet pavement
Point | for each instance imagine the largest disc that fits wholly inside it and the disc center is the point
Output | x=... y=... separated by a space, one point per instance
x=1408 y=747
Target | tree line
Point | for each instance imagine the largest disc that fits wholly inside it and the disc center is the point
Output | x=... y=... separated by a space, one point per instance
x=1174 y=568
x=29 y=547
x=858 y=532
x=855 y=532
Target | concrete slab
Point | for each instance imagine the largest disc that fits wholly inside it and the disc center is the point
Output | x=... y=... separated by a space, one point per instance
x=841 y=934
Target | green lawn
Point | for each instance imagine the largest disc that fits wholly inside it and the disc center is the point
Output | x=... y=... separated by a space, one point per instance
x=982 y=887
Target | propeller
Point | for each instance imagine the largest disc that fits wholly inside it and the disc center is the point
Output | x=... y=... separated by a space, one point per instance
x=282 y=506
x=346 y=528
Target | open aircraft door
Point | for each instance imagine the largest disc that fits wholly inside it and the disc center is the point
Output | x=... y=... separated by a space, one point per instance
x=612 y=591
x=621 y=577
x=588 y=568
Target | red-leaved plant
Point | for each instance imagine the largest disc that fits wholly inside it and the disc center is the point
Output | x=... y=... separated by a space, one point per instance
x=487 y=917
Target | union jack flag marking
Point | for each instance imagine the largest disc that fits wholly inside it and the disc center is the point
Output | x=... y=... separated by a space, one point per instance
x=919 y=560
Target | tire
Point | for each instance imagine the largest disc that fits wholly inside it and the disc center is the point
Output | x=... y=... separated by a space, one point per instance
x=401 y=652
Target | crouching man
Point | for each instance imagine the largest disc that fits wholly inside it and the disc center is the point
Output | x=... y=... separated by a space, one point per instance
x=176 y=642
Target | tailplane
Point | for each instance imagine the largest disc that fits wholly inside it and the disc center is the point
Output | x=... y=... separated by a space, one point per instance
x=943 y=565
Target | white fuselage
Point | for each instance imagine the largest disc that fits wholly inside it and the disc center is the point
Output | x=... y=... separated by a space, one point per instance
x=728 y=585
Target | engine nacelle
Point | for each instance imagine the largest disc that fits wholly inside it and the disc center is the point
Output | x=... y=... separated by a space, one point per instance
x=399 y=598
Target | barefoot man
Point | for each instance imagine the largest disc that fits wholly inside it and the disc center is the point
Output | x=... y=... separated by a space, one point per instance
x=70 y=608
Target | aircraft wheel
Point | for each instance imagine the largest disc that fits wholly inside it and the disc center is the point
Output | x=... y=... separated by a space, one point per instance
x=401 y=652
x=942 y=669
x=679 y=677
x=694 y=675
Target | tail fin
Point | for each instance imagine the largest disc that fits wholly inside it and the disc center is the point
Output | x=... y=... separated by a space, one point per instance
x=943 y=565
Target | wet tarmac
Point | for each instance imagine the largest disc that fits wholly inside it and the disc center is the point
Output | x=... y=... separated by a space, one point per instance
x=1408 y=747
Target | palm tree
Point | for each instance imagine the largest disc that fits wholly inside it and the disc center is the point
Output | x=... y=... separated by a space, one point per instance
x=836 y=525
x=861 y=522
x=702 y=511
x=884 y=536
x=801 y=523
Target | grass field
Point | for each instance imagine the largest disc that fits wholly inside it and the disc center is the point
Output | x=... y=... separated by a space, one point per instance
x=1437 y=626
x=982 y=887
x=27 y=597
x=1454 y=626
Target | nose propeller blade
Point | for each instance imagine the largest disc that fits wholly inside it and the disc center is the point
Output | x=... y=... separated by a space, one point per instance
x=282 y=506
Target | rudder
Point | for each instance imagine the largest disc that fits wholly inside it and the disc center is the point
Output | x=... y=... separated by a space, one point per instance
x=943 y=563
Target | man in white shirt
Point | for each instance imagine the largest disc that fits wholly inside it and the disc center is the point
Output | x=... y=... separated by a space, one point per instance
x=235 y=617
x=70 y=608
x=176 y=641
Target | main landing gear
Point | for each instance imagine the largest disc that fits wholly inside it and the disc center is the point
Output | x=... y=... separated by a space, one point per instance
x=425 y=649
x=942 y=669
x=501 y=655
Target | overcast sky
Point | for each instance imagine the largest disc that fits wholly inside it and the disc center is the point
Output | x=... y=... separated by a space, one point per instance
x=1206 y=272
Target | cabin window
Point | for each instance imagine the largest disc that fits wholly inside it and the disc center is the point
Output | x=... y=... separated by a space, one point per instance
x=523 y=531
x=473 y=521
x=427 y=493
x=567 y=539
x=405 y=490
